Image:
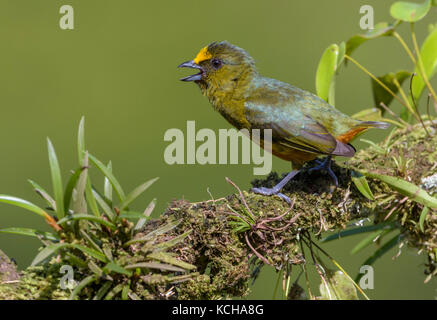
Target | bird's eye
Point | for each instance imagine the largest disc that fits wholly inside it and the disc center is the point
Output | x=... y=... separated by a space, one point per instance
x=216 y=63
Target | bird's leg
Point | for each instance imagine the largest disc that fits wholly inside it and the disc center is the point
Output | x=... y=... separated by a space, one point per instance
x=276 y=189
x=326 y=165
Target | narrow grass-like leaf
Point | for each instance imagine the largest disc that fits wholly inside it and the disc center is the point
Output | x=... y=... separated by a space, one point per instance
x=44 y=194
x=380 y=252
x=155 y=265
x=86 y=281
x=360 y=182
x=90 y=241
x=31 y=232
x=147 y=214
x=107 y=173
x=103 y=290
x=374 y=145
x=51 y=249
x=105 y=207
x=136 y=193
x=131 y=215
x=406 y=188
x=172 y=242
x=89 y=217
x=166 y=258
x=79 y=204
x=23 y=204
x=422 y=218
x=116 y=290
x=107 y=187
x=358 y=230
x=370 y=239
x=161 y=230
x=125 y=292
x=91 y=200
x=115 y=267
x=71 y=184
x=45 y=253
x=81 y=141
x=56 y=180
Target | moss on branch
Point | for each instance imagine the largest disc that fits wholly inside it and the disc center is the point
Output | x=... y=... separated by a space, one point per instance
x=226 y=260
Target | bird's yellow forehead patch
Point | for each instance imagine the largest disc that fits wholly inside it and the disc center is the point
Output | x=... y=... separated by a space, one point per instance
x=203 y=55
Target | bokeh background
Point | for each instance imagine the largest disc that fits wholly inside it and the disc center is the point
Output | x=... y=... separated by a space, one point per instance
x=118 y=69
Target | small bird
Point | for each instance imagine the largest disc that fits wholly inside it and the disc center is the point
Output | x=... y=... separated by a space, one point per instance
x=303 y=125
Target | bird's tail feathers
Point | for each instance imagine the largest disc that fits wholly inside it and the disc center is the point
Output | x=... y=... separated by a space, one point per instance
x=374 y=124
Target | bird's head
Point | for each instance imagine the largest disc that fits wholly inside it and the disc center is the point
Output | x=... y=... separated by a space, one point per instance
x=221 y=65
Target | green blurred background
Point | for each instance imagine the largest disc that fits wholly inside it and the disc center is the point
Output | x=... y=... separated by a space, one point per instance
x=118 y=69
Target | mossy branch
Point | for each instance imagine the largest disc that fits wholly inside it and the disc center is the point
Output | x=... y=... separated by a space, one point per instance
x=228 y=239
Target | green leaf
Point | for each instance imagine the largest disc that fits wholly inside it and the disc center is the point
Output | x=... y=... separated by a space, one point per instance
x=165 y=257
x=370 y=239
x=116 y=290
x=155 y=265
x=32 y=233
x=70 y=187
x=45 y=253
x=380 y=252
x=406 y=188
x=172 y=242
x=115 y=267
x=428 y=54
x=90 y=198
x=374 y=145
x=44 y=194
x=103 y=290
x=161 y=230
x=86 y=281
x=136 y=193
x=107 y=187
x=360 y=182
x=131 y=215
x=382 y=29
x=56 y=180
x=372 y=114
x=380 y=95
x=51 y=249
x=83 y=216
x=79 y=204
x=81 y=141
x=107 y=173
x=325 y=77
x=338 y=287
x=23 y=204
x=146 y=214
x=422 y=218
x=105 y=207
x=358 y=230
x=410 y=11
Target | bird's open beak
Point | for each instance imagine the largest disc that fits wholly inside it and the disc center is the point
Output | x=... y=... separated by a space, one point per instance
x=193 y=65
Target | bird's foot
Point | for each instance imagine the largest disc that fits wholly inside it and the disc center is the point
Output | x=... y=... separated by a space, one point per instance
x=276 y=190
x=270 y=192
x=326 y=165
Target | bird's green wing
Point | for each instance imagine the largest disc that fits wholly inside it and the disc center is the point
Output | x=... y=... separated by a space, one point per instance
x=291 y=128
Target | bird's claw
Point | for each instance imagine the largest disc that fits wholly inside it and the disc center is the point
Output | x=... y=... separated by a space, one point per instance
x=325 y=165
x=270 y=192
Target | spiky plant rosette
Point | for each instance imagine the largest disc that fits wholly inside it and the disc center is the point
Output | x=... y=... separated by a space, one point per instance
x=96 y=235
